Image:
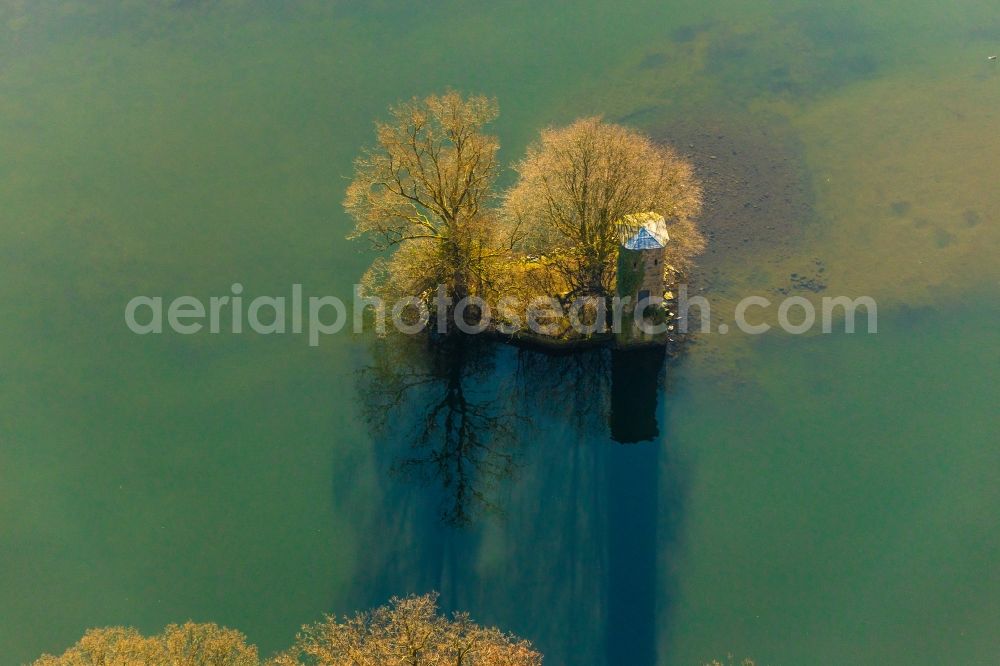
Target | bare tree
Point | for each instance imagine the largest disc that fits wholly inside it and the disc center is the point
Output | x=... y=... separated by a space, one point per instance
x=407 y=632
x=188 y=644
x=425 y=190
x=578 y=183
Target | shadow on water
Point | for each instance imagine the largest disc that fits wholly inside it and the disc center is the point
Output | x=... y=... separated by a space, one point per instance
x=635 y=385
x=550 y=467
x=633 y=475
x=458 y=432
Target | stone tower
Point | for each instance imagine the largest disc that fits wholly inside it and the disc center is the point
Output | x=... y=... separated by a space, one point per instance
x=641 y=257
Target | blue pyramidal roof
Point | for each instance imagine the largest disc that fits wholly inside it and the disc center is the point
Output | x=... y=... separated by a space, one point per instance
x=643 y=240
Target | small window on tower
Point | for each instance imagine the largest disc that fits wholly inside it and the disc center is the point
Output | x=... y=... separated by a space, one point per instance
x=656 y=262
x=634 y=264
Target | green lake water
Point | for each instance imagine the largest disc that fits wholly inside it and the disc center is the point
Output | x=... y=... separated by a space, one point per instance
x=818 y=499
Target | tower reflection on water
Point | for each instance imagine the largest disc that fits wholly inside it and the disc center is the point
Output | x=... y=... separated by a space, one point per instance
x=554 y=461
x=636 y=379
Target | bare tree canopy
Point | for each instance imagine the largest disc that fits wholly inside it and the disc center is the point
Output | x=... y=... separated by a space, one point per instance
x=188 y=644
x=425 y=194
x=577 y=184
x=408 y=632
x=427 y=185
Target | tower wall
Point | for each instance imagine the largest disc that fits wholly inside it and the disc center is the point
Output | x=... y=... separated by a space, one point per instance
x=641 y=270
x=652 y=278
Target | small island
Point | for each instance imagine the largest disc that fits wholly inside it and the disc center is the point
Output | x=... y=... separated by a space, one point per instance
x=583 y=250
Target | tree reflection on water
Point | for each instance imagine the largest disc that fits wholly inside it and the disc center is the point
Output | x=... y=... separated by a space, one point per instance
x=457 y=424
x=458 y=410
x=480 y=430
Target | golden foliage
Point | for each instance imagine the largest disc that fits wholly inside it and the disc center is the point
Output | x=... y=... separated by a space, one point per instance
x=432 y=171
x=189 y=644
x=577 y=184
x=686 y=242
x=426 y=188
x=425 y=191
x=416 y=267
x=407 y=632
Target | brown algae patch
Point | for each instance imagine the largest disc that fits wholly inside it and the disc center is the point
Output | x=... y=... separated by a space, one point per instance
x=758 y=198
x=885 y=175
x=903 y=168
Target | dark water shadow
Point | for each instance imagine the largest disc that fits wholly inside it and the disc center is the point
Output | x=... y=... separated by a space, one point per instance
x=549 y=468
x=452 y=426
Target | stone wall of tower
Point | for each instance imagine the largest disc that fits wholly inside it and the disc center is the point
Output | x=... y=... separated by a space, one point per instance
x=641 y=270
x=652 y=273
